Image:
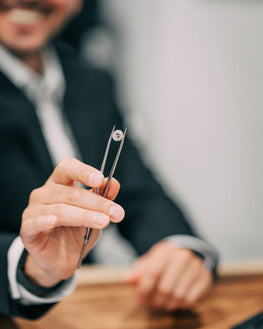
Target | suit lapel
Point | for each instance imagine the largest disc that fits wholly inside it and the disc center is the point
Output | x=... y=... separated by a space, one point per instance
x=20 y=113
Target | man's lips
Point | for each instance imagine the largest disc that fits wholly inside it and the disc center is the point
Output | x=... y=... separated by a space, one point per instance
x=26 y=13
x=24 y=16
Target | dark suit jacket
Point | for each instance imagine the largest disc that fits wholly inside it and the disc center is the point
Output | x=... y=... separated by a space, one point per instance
x=25 y=164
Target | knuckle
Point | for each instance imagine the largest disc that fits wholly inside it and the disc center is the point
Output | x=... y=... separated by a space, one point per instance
x=196 y=263
x=98 y=203
x=83 y=173
x=162 y=244
x=95 y=200
x=185 y=254
x=33 y=197
x=25 y=214
x=64 y=164
x=74 y=195
x=56 y=209
x=30 y=212
x=161 y=248
x=102 y=204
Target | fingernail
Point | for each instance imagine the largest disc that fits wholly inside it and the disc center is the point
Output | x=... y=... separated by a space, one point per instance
x=116 y=212
x=101 y=219
x=96 y=178
x=50 y=220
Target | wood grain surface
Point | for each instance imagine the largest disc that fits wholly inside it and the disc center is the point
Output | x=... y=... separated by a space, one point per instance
x=112 y=306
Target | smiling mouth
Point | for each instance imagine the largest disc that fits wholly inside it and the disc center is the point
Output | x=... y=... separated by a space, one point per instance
x=25 y=12
x=25 y=16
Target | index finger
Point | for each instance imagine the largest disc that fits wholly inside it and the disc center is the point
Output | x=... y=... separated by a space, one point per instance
x=72 y=170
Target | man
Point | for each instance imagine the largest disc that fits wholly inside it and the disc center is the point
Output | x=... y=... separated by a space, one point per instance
x=53 y=109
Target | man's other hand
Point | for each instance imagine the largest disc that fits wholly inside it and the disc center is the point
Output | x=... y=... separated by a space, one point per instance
x=170 y=278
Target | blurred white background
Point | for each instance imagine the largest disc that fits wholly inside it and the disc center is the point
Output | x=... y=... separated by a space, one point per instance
x=190 y=73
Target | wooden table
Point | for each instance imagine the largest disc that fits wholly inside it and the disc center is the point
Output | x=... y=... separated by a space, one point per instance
x=111 y=306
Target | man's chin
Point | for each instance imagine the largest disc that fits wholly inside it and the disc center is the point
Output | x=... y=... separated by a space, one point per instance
x=26 y=50
x=25 y=47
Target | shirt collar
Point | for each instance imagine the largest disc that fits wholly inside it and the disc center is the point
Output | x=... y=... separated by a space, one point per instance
x=50 y=85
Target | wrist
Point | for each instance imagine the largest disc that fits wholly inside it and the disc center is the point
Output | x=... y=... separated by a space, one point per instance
x=37 y=275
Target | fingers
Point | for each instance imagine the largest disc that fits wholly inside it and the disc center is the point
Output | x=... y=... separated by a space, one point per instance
x=68 y=215
x=73 y=170
x=152 y=271
x=201 y=287
x=194 y=283
x=113 y=188
x=147 y=273
x=189 y=276
x=170 y=278
x=173 y=277
x=55 y=195
x=195 y=293
x=34 y=226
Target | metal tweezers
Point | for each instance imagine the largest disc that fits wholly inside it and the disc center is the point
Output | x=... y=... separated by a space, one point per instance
x=119 y=136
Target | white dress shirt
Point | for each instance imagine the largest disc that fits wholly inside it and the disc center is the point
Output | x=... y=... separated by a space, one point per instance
x=46 y=92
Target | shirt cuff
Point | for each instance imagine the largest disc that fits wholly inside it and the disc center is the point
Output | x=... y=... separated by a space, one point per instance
x=208 y=252
x=20 y=293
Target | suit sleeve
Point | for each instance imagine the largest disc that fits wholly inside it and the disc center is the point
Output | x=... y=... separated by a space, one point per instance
x=5 y=302
x=8 y=305
x=11 y=182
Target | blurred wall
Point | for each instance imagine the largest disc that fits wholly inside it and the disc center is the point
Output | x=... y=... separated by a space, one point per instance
x=191 y=79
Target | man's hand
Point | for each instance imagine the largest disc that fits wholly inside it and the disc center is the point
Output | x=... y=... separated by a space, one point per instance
x=56 y=218
x=170 y=278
